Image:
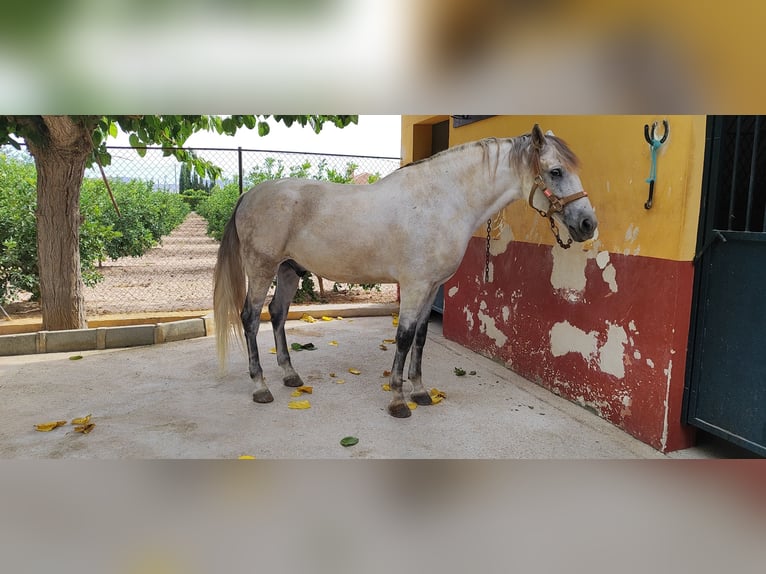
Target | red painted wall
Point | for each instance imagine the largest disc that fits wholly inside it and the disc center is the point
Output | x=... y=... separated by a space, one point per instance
x=619 y=352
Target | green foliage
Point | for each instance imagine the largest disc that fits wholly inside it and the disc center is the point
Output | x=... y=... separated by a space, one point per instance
x=18 y=235
x=218 y=207
x=146 y=217
x=193 y=197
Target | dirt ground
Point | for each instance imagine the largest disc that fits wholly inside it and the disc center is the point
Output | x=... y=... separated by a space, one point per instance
x=177 y=276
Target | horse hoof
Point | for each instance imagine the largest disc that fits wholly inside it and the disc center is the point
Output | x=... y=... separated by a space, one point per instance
x=399 y=410
x=293 y=381
x=263 y=396
x=421 y=398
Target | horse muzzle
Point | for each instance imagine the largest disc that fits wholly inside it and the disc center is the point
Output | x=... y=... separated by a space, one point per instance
x=583 y=228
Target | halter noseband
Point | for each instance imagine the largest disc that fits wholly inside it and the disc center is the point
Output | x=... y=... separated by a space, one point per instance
x=557 y=205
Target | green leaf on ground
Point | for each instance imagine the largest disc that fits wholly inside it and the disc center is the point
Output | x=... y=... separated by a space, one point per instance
x=349 y=441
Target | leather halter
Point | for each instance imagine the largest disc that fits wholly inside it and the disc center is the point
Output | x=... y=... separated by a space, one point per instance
x=556 y=205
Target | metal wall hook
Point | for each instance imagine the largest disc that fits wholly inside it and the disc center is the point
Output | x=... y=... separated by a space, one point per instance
x=654 y=145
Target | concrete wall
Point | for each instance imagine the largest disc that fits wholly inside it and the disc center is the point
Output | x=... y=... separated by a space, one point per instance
x=604 y=323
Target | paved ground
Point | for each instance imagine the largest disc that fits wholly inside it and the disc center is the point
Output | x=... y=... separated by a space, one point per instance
x=168 y=401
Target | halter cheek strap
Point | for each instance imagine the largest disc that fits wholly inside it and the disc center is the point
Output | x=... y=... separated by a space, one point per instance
x=556 y=205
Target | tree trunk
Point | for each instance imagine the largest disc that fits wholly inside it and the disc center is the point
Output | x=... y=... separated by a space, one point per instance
x=60 y=157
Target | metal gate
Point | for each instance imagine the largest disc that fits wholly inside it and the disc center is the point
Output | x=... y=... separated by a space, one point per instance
x=726 y=374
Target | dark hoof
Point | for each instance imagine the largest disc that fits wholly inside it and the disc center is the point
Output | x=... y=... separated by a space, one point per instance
x=399 y=410
x=263 y=396
x=422 y=398
x=293 y=381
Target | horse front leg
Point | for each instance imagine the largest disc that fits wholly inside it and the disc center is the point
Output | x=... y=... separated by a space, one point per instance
x=419 y=394
x=414 y=311
x=405 y=334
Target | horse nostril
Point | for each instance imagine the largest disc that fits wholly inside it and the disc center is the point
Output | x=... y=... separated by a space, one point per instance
x=587 y=225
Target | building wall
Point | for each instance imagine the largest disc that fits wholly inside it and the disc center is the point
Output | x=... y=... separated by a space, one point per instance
x=604 y=323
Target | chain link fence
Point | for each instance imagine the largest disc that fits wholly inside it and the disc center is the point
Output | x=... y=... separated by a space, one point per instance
x=176 y=275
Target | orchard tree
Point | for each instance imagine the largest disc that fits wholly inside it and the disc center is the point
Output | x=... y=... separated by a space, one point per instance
x=62 y=148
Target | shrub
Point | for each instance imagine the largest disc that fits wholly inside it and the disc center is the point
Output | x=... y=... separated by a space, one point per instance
x=218 y=207
x=193 y=197
x=147 y=216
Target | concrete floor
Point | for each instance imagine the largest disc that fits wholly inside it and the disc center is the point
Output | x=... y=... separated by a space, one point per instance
x=168 y=401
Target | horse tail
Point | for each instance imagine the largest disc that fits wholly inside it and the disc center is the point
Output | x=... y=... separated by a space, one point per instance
x=229 y=290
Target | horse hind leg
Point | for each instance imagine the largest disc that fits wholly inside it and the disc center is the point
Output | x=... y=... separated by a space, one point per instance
x=251 y=320
x=287 y=284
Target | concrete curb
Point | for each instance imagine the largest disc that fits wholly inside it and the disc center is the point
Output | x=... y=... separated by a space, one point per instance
x=157 y=333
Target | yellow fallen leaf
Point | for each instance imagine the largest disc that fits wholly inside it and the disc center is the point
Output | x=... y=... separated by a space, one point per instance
x=340 y=381
x=300 y=390
x=385 y=387
x=246 y=457
x=412 y=405
x=395 y=319
x=389 y=341
x=339 y=318
x=332 y=375
x=298 y=405
x=333 y=343
x=308 y=318
x=81 y=420
x=326 y=318
x=437 y=396
x=84 y=429
x=273 y=350
x=383 y=347
x=47 y=427
x=355 y=371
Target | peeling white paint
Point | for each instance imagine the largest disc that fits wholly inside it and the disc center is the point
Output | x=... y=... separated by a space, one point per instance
x=632 y=327
x=650 y=363
x=611 y=355
x=500 y=245
x=637 y=355
x=568 y=274
x=609 y=276
x=506 y=314
x=631 y=234
x=453 y=291
x=664 y=439
x=489 y=328
x=490 y=272
x=602 y=259
x=566 y=338
x=468 y=317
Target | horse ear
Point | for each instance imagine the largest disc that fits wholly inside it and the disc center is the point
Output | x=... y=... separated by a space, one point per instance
x=538 y=139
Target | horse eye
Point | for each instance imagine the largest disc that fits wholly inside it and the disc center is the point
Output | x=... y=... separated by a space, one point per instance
x=556 y=172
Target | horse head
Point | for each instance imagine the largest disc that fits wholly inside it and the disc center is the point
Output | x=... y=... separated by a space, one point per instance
x=563 y=199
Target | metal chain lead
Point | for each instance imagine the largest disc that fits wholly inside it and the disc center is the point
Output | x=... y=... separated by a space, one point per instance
x=486 y=260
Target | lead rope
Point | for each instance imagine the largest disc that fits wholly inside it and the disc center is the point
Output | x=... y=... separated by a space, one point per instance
x=486 y=260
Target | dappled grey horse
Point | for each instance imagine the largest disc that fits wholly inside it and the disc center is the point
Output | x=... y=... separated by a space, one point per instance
x=411 y=227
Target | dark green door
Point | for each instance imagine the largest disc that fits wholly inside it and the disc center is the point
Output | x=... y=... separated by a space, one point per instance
x=726 y=374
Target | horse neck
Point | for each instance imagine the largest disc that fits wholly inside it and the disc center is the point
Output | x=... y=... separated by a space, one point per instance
x=483 y=176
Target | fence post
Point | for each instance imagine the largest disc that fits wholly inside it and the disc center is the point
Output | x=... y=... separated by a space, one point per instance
x=239 y=159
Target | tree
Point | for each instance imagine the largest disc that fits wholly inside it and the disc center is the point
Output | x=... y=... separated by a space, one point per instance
x=62 y=148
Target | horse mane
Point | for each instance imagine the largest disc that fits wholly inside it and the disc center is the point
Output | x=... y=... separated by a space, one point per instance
x=521 y=155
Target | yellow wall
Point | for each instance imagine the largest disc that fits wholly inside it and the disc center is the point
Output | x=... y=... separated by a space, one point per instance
x=615 y=164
